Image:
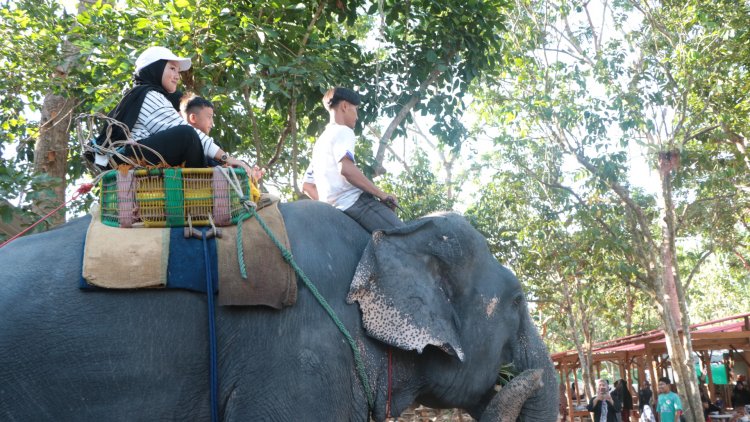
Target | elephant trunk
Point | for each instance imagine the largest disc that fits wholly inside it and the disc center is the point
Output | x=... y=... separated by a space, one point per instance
x=530 y=352
x=507 y=403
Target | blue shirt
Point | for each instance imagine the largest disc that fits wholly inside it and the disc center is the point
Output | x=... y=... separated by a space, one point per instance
x=668 y=406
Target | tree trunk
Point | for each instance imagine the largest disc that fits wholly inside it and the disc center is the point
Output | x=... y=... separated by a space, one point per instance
x=630 y=304
x=51 y=153
x=582 y=347
x=672 y=301
x=51 y=149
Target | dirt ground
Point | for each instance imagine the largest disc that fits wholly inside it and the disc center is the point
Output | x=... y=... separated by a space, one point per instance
x=426 y=414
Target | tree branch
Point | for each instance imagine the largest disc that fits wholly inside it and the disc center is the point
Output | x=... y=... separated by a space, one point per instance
x=597 y=47
x=310 y=27
x=697 y=266
x=291 y=123
x=618 y=189
x=571 y=38
x=690 y=206
x=742 y=259
x=290 y=127
x=582 y=203
x=405 y=110
x=253 y=125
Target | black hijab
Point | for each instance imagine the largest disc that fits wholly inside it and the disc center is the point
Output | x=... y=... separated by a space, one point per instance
x=127 y=111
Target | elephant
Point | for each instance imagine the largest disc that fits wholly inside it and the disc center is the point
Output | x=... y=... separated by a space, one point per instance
x=431 y=311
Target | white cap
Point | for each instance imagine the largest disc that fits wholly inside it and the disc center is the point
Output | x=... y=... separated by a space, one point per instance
x=153 y=54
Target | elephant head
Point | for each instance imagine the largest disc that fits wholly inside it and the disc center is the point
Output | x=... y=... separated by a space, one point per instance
x=434 y=287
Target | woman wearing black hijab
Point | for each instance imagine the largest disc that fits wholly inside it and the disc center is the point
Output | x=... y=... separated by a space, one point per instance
x=150 y=110
x=626 y=399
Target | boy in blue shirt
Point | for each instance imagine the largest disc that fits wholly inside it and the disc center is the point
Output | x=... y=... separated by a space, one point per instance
x=669 y=406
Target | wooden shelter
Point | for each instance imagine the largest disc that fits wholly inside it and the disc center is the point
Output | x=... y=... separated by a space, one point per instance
x=647 y=353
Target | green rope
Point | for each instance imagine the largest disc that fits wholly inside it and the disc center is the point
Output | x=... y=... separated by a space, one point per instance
x=289 y=259
x=240 y=249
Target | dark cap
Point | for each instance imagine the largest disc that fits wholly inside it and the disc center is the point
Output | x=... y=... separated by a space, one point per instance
x=338 y=94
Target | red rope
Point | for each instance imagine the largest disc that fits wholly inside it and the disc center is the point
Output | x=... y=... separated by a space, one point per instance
x=85 y=188
x=390 y=385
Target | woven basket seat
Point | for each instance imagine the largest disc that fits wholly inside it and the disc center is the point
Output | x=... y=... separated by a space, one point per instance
x=169 y=197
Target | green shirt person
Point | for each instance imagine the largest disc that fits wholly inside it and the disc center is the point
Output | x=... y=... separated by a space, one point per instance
x=669 y=406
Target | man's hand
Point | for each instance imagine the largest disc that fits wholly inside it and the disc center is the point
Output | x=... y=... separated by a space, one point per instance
x=311 y=190
x=390 y=201
x=354 y=175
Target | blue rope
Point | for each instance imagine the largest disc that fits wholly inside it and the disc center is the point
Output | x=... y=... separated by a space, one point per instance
x=213 y=372
x=359 y=363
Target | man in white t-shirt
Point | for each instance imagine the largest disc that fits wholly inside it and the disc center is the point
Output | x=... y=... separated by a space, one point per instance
x=334 y=178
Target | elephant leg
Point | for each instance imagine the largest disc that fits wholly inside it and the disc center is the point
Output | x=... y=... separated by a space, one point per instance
x=507 y=403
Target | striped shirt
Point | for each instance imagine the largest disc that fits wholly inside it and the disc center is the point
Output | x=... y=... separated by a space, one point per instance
x=158 y=114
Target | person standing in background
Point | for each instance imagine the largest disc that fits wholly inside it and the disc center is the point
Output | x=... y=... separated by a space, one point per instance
x=603 y=405
x=626 y=399
x=644 y=396
x=669 y=407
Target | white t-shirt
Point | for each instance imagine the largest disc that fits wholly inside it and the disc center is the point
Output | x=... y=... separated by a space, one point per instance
x=335 y=143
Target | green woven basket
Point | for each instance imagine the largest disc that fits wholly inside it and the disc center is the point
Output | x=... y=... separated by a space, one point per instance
x=171 y=197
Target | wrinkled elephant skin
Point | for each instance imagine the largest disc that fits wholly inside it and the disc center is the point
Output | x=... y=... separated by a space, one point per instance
x=507 y=404
x=429 y=295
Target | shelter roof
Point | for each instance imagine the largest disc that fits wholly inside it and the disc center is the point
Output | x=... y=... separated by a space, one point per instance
x=725 y=333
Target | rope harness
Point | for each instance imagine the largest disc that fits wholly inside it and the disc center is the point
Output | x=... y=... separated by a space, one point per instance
x=251 y=212
x=213 y=358
x=287 y=255
x=390 y=383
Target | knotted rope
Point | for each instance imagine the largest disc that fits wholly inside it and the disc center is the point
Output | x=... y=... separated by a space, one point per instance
x=251 y=212
x=86 y=133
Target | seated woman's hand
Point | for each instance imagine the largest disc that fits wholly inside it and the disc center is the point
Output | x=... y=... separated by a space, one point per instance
x=233 y=162
x=257 y=173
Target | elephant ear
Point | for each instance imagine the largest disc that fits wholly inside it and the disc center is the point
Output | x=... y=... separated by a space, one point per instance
x=402 y=284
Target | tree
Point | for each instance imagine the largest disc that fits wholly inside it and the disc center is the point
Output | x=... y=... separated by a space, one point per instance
x=434 y=51
x=264 y=64
x=38 y=34
x=543 y=233
x=594 y=87
x=418 y=189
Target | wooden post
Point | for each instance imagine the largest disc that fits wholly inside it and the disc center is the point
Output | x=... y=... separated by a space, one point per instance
x=710 y=378
x=641 y=378
x=629 y=382
x=568 y=391
x=661 y=366
x=652 y=375
x=628 y=369
x=641 y=370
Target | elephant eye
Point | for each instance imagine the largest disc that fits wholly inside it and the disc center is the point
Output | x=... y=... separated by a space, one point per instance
x=517 y=300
